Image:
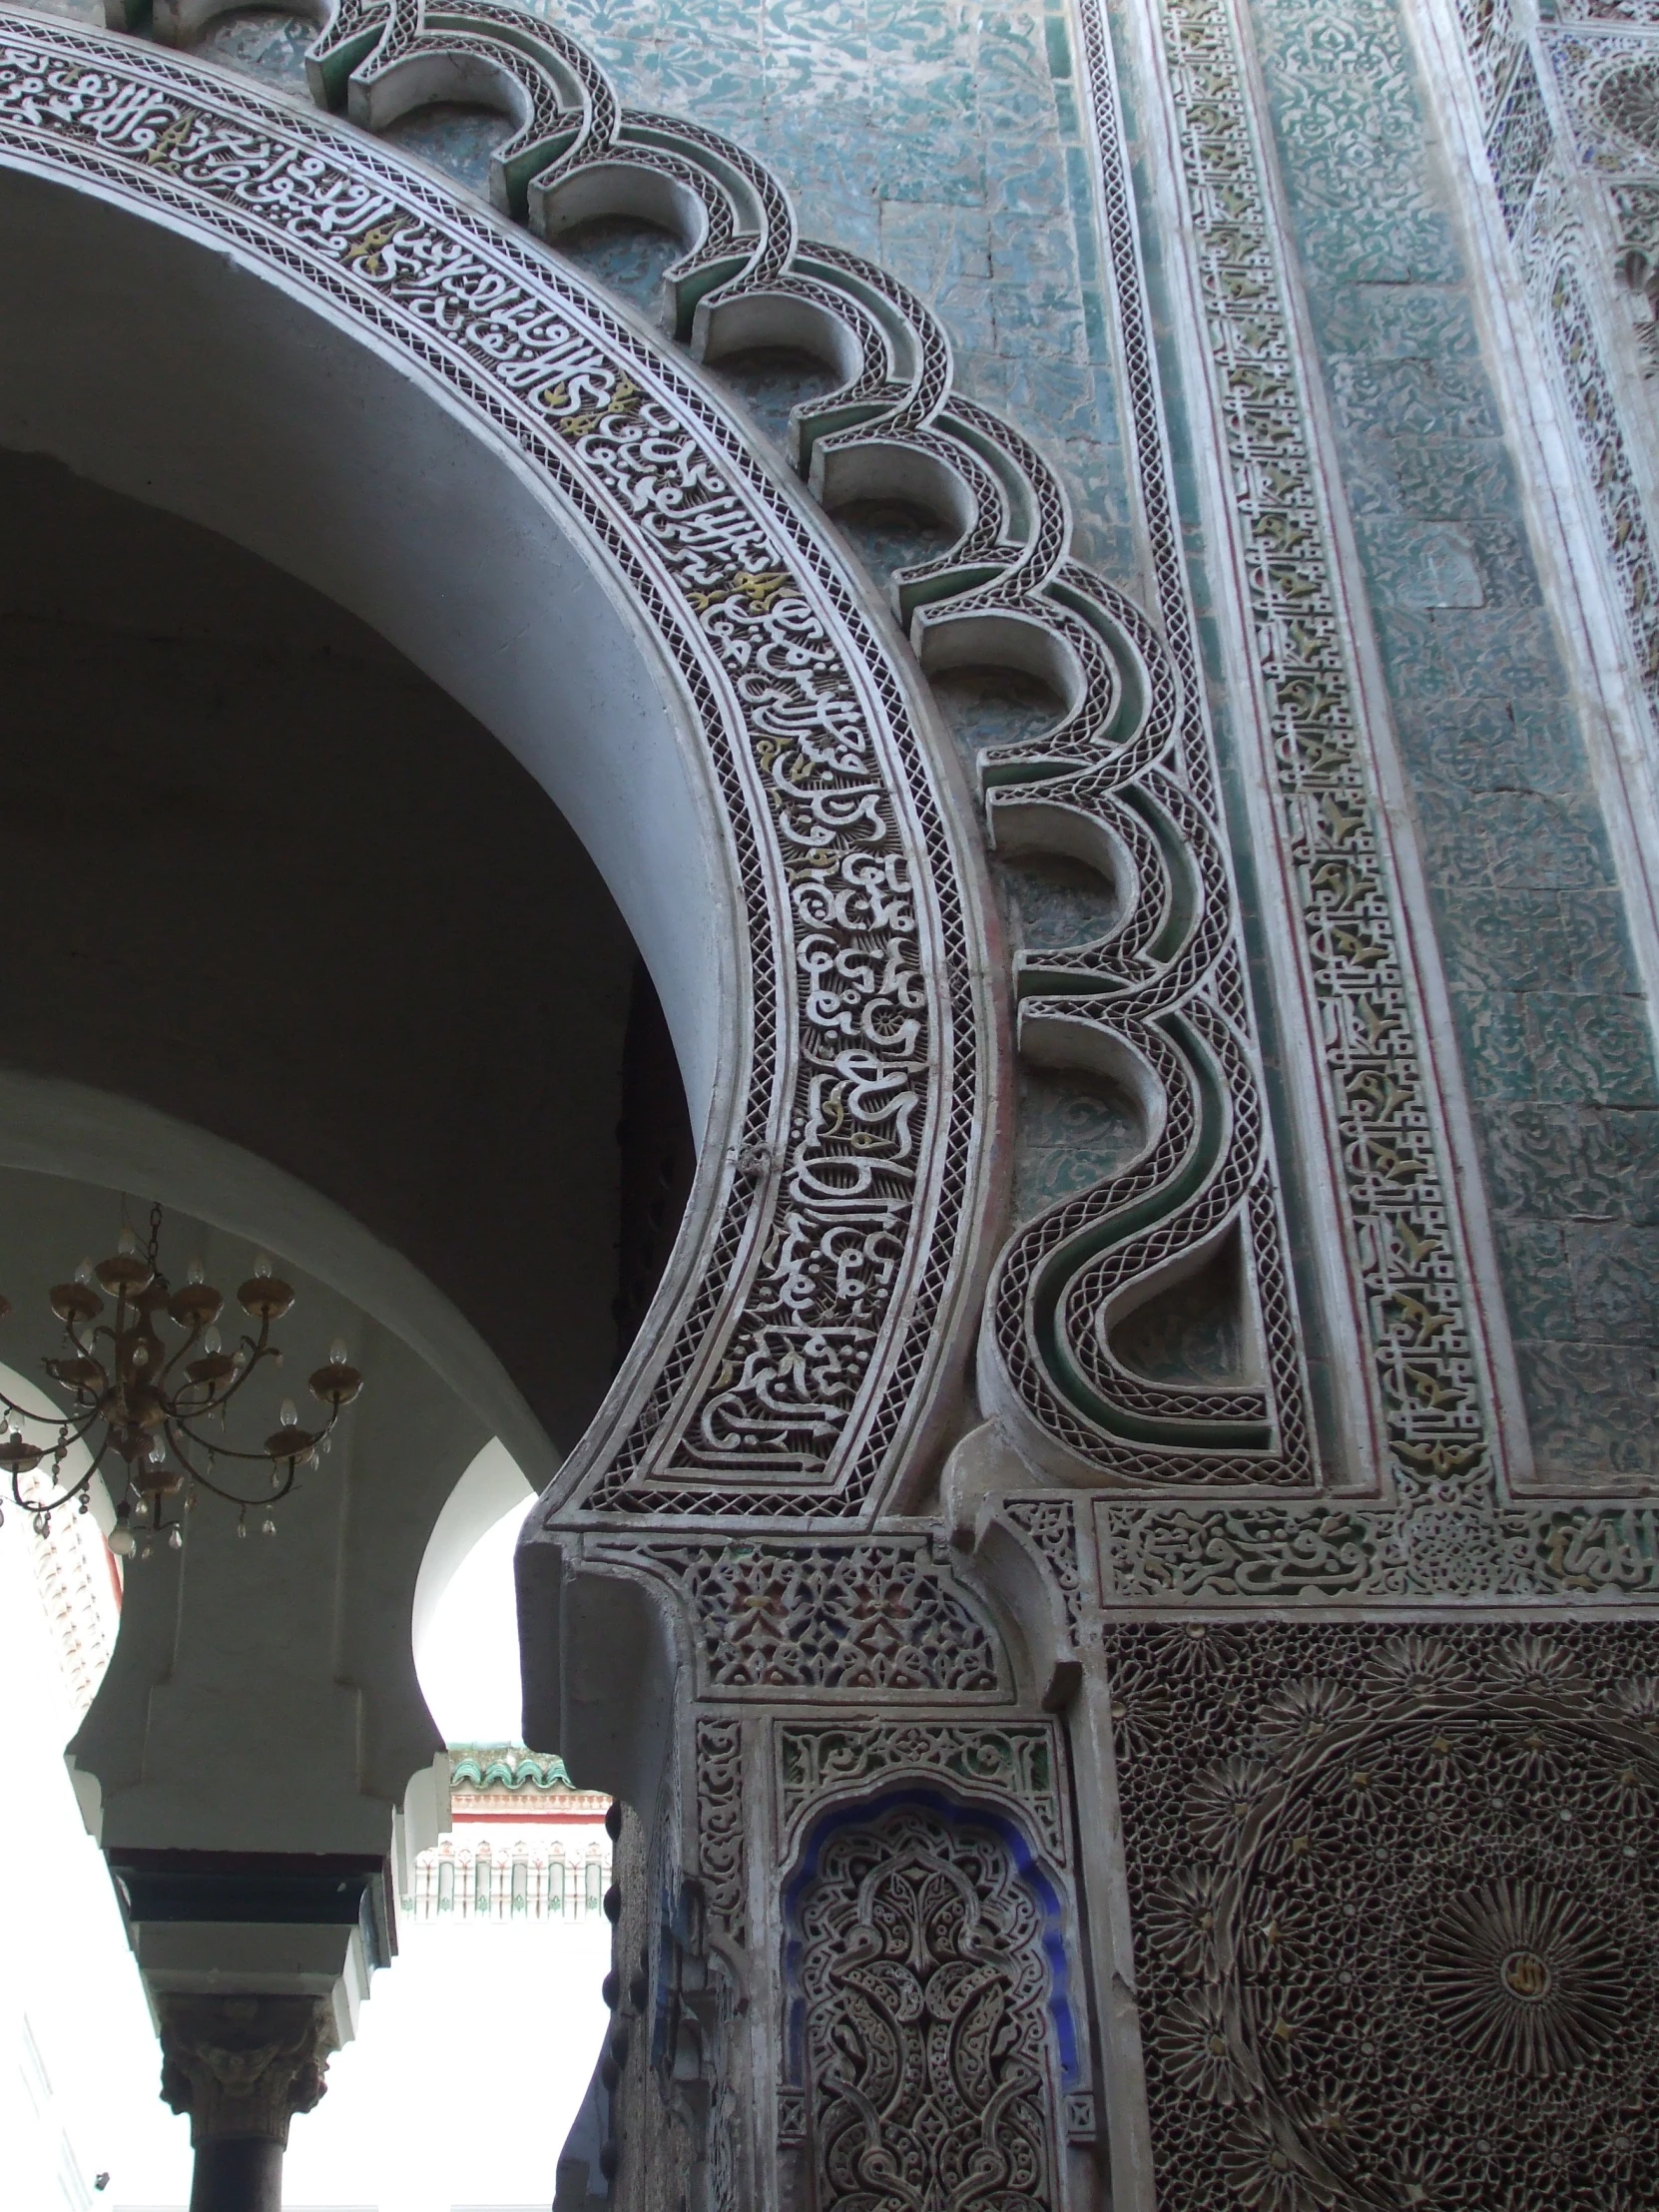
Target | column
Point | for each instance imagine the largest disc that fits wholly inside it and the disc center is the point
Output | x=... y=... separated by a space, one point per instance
x=242 y=2068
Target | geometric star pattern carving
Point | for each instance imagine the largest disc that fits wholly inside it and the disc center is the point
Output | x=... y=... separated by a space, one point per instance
x=1397 y=1913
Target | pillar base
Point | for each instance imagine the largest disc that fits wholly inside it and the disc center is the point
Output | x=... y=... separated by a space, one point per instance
x=238 y=2173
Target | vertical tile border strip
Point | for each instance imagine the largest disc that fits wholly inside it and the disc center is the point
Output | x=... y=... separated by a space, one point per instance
x=1315 y=1172
x=1298 y=690
x=1449 y=1530
x=1478 y=70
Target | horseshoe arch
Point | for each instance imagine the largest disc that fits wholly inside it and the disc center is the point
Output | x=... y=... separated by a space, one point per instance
x=386 y=392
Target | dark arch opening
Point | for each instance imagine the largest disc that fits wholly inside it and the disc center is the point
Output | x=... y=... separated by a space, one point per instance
x=268 y=877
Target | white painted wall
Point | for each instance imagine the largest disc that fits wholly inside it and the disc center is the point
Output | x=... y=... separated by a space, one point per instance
x=79 y=2066
x=168 y=370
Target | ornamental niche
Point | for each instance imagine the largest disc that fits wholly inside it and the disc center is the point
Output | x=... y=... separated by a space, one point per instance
x=926 y=2017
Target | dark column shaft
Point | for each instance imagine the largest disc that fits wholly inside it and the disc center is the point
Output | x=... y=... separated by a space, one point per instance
x=238 y=2173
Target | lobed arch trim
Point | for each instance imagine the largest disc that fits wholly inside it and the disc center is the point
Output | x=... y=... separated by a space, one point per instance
x=854 y=1102
x=1131 y=753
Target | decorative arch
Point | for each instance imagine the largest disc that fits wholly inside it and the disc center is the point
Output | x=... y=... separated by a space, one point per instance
x=846 y=1177
x=849 y=1208
x=931 y=2032
x=1126 y=778
x=67 y=1130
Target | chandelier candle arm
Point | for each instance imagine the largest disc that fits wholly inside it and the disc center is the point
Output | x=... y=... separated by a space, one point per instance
x=150 y=1400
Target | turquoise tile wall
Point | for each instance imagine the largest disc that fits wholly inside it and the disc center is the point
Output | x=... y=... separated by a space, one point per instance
x=942 y=140
x=1553 y=1032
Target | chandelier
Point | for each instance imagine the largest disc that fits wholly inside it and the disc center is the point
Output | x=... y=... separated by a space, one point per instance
x=151 y=1383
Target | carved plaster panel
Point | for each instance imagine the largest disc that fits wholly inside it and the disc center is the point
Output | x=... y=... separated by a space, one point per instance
x=1105 y=1557
x=1397 y=1913
x=1017 y=1763
x=876 y=1617
x=1611 y=84
x=928 y=1903
x=961 y=1828
x=929 y=2056
x=1611 y=12
x=817 y=1321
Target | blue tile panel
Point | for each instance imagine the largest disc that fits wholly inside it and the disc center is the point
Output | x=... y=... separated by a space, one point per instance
x=1555 y=1040
x=942 y=140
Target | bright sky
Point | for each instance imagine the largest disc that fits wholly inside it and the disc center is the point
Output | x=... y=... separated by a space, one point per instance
x=472 y=2054
x=468 y=1659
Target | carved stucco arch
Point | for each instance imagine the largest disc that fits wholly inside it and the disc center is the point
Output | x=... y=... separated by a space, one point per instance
x=847 y=876
x=854 y=1194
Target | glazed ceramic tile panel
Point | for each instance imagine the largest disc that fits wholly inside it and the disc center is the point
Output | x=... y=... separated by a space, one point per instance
x=1552 y=1025
x=945 y=142
x=937 y=139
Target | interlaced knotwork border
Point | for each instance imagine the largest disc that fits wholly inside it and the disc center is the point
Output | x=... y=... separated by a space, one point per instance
x=1449 y=1531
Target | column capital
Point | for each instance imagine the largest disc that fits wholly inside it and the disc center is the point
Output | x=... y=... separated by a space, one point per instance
x=244 y=2065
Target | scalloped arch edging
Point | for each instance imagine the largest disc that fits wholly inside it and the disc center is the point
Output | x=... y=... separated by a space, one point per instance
x=1127 y=773
x=765 y=1399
